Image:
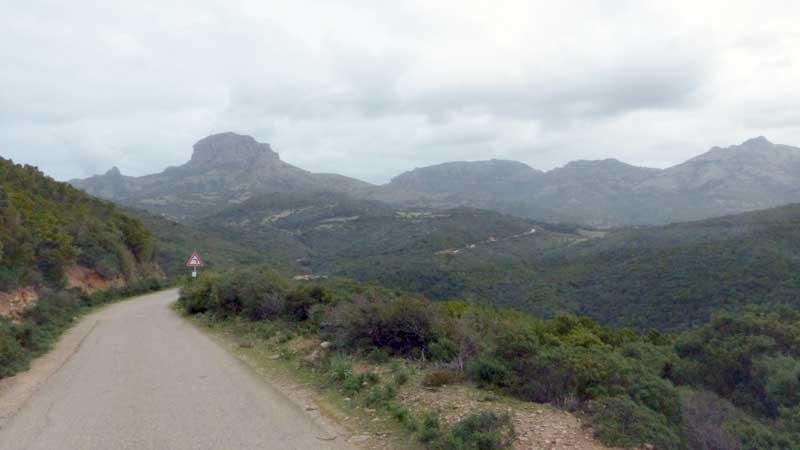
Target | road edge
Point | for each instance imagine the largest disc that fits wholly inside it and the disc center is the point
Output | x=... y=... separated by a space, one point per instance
x=15 y=391
x=304 y=400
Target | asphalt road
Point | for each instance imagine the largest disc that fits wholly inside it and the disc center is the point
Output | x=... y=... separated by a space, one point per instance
x=143 y=378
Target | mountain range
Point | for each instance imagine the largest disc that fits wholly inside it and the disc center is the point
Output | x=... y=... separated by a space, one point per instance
x=227 y=169
x=420 y=232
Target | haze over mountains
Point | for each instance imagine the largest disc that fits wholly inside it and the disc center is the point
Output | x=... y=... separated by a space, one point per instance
x=227 y=169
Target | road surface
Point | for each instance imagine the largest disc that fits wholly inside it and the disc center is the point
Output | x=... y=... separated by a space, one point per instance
x=142 y=378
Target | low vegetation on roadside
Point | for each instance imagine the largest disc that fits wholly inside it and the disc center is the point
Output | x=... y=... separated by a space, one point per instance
x=731 y=384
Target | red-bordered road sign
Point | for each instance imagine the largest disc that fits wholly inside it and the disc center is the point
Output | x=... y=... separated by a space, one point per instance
x=195 y=261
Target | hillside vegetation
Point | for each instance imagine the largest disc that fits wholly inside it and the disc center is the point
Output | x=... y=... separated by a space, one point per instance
x=730 y=384
x=176 y=241
x=47 y=226
x=673 y=277
x=445 y=254
x=668 y=278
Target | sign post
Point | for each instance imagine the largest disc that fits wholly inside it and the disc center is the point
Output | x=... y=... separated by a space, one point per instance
x=194 y=262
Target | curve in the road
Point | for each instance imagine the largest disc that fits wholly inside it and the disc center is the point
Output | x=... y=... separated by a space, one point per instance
x=145 y=379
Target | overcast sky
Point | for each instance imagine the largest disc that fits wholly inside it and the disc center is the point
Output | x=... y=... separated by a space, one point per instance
x=370 y=89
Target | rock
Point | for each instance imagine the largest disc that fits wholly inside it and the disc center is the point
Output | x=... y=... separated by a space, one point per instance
x=313 y=356
x=274 y=357
x=325 y=345
x=360 y=438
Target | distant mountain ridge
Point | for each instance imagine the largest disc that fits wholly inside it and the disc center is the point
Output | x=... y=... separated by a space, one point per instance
x=224 y=169
x=754 y=175
x=227 y=169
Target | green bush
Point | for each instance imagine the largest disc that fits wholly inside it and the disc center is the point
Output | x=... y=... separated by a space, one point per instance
x=490 y=371
x=403 y=326
x=622 y=422
x=341 y=367
x=481 y=431
x=380 y=396
x=12 y=355
x=430 y=430
x=352 y=384
x=200 y=295
x=443 y=350
x=402 y=415
x=256 y=294
x=301 y=301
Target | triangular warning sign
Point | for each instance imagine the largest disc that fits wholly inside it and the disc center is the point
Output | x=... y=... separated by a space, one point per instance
x=194 y=261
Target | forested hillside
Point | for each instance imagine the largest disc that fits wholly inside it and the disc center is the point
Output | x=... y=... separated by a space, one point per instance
x=47 y=227
x=672 y=277
x=175 y=241
x=443 y=253
x=669 y=277
x=53 y=237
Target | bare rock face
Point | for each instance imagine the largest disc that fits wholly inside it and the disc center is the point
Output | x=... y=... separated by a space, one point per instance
x=230 y=149
x=13 y=304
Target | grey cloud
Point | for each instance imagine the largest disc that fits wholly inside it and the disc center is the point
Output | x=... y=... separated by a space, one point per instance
x=371 y=91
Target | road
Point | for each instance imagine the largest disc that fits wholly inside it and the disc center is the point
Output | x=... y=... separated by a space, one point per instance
x=143 y=378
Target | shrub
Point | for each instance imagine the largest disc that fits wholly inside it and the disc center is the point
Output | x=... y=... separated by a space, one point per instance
x=12 y=355
x=300 y=301
x=562 y=371
x=439 y=378
x=378 y=356
x=401 y=374
x=201 y=295
x=482 y=431
x=781 y=375
x=261 y=296
x=443 y=350
x=380 y=396
x=707 y=420
x=402 y=415
x=622 y=422
x=352 y=383
x=430 y=430
x=403 y=325
x=490 y=371
x=340 y=367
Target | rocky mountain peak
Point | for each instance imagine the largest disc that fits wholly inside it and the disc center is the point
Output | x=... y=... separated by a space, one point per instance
x=113 y=172
x=756 y=142
x=230 y=148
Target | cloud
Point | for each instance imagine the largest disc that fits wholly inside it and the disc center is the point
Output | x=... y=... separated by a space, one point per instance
x=370 y=91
